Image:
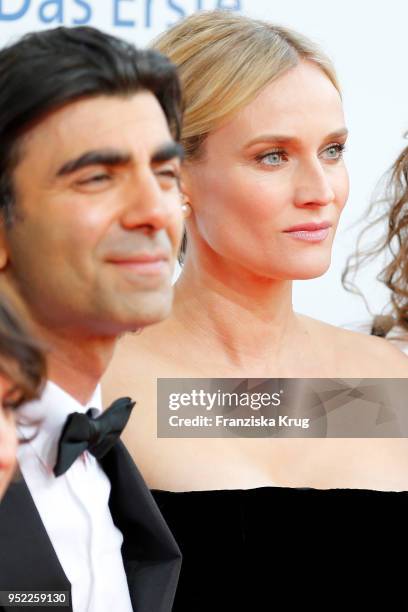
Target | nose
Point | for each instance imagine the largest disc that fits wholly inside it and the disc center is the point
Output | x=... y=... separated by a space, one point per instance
x=148 y=205
x=313 y=185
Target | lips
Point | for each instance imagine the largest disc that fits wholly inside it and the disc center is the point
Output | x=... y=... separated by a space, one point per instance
x=310 y=232
x=142 y=264
x=138 y=258
x=309 y=227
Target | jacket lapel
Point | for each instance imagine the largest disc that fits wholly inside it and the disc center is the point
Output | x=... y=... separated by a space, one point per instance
x=151 y=556
x=27 y=558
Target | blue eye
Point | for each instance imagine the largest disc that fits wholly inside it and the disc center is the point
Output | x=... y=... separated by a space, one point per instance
x=334 y=152
x=273 y=158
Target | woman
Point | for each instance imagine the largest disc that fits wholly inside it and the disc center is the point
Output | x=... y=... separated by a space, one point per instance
x=264 y=185
x=394 y=242
x=22 y=371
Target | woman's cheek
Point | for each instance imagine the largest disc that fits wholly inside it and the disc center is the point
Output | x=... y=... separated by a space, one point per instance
x=342 y=188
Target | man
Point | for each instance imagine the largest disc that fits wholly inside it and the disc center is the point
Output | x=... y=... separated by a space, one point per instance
x=89 y=171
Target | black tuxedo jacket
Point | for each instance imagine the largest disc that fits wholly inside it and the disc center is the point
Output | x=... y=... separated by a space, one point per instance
x=150 y=554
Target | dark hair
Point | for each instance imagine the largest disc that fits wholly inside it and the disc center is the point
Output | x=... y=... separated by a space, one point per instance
x=21 y=359
x=45 y=70
x=391 y=210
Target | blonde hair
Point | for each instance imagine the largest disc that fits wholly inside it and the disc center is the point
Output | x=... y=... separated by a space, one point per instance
x=224 y=60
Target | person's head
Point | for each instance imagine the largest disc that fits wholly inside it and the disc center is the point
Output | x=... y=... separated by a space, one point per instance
x=89 y=197
x=390 y=213
x=263 y=133
x=22 y=372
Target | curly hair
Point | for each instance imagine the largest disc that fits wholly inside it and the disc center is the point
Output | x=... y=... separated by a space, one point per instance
x=391 y=210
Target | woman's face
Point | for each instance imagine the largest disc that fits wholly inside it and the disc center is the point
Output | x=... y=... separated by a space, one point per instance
x=8 y=440
x=269 y=190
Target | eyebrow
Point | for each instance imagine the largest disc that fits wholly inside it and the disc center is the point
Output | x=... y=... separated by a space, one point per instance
x=112 y=157
x=167 y=152
x=281 y=138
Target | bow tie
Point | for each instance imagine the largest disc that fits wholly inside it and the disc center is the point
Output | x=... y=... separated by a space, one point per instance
x=97 y=435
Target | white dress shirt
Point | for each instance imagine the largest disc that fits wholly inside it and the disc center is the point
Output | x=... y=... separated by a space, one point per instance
x=74 y=507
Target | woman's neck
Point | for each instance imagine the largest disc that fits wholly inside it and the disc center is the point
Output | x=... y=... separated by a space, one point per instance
x=242 y=319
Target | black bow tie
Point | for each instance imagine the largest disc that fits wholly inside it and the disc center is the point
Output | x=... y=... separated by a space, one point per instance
x=97 y=435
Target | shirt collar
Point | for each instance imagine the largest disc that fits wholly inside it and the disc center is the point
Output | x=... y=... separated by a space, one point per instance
x=41 y=421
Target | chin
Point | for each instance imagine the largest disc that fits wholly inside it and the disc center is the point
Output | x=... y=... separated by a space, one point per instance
x=309 y=272
x=152 y=318
x=295 y=271
x=153 y=309
x=130 y=313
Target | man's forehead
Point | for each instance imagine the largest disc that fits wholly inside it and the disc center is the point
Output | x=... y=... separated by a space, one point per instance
x=102 y=121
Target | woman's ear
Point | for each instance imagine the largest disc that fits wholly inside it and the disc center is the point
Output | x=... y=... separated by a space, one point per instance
x=185 y=194
x=183 y=188
x=186 y=174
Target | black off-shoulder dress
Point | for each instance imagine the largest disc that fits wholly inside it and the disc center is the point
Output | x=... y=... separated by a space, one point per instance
x=283 y=549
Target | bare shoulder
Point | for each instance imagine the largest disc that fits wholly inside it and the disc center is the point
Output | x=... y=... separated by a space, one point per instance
x=365 y=355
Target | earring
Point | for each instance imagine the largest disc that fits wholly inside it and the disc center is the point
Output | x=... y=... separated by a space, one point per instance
x=186 y=207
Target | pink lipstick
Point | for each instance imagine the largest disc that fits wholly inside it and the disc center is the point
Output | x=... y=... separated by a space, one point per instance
x=309 y=232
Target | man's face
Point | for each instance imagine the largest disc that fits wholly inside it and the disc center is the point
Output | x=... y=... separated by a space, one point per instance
x=98 y=217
